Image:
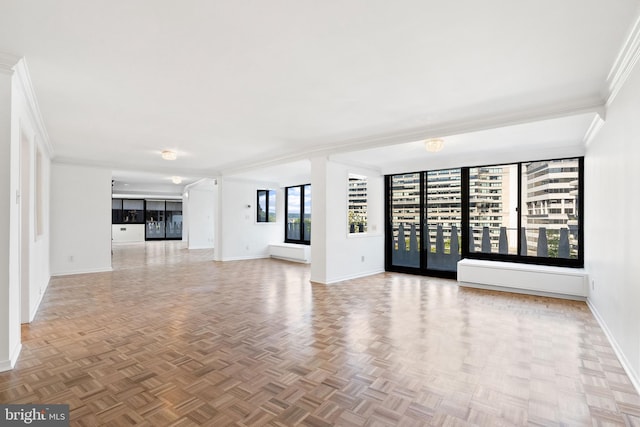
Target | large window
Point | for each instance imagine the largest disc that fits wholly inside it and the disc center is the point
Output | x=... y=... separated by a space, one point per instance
x=298 y=214
x=493 y=203
x=550 y=209
x=124 y=211
x=266 y=210
x=155 y=220
x=173 y=211
x=162 y=219
x=522 y=212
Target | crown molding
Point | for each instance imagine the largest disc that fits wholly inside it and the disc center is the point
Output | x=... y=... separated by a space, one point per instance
x=119 y=167
x=7 y=62
x=355 y=164
x=472 y=124
x=202 y=182
x=594 y=128
x=26 y=86
x=624 y=63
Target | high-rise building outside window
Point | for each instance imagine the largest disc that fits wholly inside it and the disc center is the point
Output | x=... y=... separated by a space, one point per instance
x=527 y=212
x=357 y=203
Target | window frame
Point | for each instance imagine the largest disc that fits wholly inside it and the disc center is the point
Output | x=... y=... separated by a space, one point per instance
x=122 y=211
x=519 y=258
x=268 y=203
x=304 y=240
x=464 y=232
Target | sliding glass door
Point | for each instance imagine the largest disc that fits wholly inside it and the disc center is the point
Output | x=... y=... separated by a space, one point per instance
x=425 y=215
x=405 y=218
x=528 y=212
x=443 y=218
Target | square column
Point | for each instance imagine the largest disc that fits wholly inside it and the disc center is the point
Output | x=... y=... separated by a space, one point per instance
x=9 y=226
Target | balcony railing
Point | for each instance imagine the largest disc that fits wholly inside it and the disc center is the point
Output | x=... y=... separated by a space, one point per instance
x=445 y=253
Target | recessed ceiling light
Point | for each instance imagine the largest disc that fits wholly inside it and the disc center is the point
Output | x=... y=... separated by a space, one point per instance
x=176 y=179
x=434 y=145
x=169 y=155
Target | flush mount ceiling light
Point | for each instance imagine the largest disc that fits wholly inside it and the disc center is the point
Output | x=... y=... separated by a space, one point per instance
x=176 y=179
x=434 y=145
x=169 y=155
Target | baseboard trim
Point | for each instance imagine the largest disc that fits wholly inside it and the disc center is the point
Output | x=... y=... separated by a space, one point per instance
x=34 y=310
x=352 y=276
x=7 y=365
x=520 y=291
x=245 y=258
x=73 y=273
x=631 y=373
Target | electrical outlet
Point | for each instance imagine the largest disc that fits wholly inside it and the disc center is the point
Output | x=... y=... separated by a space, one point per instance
x=362 y=259
x=593 y=284
x=70 y=258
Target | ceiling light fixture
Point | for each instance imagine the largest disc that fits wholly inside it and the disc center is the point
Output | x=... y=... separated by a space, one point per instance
x=434 y=145
x=176 y=179
x=169 y=155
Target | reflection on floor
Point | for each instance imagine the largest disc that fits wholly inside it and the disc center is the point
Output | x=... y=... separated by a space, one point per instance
x=171 y=337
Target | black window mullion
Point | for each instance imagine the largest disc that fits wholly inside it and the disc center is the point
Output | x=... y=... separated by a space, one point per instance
x=423 y=220
x=388 y=228
x=303 y=238
x=519 y=213
x=580 y=208
x=286 y=213
x=464 y=223
x=302 y=230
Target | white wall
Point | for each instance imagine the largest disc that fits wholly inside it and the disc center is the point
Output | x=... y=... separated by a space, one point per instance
x=24 y=248
x=319 y=219
x=199 y=210
x=238 y=235
x=31 y=142
x=80 y=219
x=337 y=255
x=612 y=233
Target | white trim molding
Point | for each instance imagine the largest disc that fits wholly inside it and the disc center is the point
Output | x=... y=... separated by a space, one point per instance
x=470 y=124
x=628 y=367
x=594 y=128
x=7 y=62
x=624 y=63
x=26 y=86
x=90 y=271
x=7 y=365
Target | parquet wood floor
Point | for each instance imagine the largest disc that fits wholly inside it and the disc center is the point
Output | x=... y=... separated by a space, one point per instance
x=171 y=337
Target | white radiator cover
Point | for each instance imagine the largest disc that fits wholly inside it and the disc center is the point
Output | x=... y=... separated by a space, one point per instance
x=526 y=278
x=291 y=252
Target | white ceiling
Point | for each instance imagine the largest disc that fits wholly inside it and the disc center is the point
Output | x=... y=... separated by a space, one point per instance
x=231 y=85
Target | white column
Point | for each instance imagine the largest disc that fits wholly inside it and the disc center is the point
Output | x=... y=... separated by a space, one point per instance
x=218 y=221
x=319 y=204
x=9 y=225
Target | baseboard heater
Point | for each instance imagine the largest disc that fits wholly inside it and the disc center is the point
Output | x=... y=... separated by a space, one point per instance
x=291 y=252
x=561 y=282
